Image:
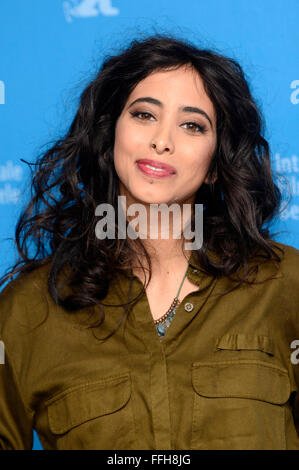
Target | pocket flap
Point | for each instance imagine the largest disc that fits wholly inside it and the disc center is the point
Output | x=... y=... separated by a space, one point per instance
x=87 y=401
x=241 y=379
x=243 y=341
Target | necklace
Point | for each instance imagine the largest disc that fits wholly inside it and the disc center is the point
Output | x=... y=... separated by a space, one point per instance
x=163 y=322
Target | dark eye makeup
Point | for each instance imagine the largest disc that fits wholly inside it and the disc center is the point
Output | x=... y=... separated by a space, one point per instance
x=201 y=128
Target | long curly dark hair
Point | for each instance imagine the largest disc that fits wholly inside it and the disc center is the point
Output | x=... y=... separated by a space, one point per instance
x=77 y=173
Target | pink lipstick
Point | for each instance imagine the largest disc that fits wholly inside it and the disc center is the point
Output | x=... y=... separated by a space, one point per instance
x=154 y=168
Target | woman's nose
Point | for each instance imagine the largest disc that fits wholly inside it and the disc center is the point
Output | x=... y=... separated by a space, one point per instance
x=162 y=142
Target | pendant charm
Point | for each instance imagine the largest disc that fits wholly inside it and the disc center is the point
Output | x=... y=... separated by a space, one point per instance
x=162 y=326
x=161 y=330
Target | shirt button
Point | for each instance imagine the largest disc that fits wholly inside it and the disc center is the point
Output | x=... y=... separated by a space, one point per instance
x=189 y=306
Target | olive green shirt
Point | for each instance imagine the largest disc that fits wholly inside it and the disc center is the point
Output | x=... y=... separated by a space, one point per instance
x=224 y=376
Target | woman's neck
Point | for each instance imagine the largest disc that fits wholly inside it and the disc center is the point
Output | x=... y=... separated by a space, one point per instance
x=165 y=256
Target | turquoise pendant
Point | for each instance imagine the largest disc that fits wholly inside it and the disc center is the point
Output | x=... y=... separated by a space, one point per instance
x=162 y=327
x=161 y=330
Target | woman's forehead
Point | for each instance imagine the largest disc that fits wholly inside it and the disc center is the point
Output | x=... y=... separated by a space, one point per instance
x=182 y=86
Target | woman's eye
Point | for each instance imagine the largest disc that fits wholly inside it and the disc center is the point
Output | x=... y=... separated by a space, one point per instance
x=195 y=126
x=138 y=113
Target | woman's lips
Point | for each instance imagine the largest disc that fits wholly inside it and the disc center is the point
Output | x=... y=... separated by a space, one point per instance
x=155 y=169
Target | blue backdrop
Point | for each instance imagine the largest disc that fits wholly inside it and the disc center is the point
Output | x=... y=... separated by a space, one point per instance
x=51 y=48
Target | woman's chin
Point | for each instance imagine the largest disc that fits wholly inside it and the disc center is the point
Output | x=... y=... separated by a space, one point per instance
x=154 y=199
x=146 y=196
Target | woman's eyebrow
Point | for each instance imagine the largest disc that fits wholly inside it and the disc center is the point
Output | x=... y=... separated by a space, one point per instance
x=186 y=109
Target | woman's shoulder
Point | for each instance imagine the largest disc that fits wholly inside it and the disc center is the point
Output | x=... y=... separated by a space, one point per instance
x=289 y=257
x=282 y=272
x=288 y=274
x=25 y=281
x=288 y=248
x=24 y=299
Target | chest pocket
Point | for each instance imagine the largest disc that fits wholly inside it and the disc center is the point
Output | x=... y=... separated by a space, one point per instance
x=95 y=415
x=240 y=403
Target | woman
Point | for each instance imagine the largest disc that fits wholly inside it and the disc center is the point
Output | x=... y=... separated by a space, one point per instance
x=150 y=342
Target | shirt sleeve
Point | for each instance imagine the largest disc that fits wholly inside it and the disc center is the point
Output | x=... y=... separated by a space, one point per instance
x=16 y=422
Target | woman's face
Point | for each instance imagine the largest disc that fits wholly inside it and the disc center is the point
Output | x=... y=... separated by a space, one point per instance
x=155 y=126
